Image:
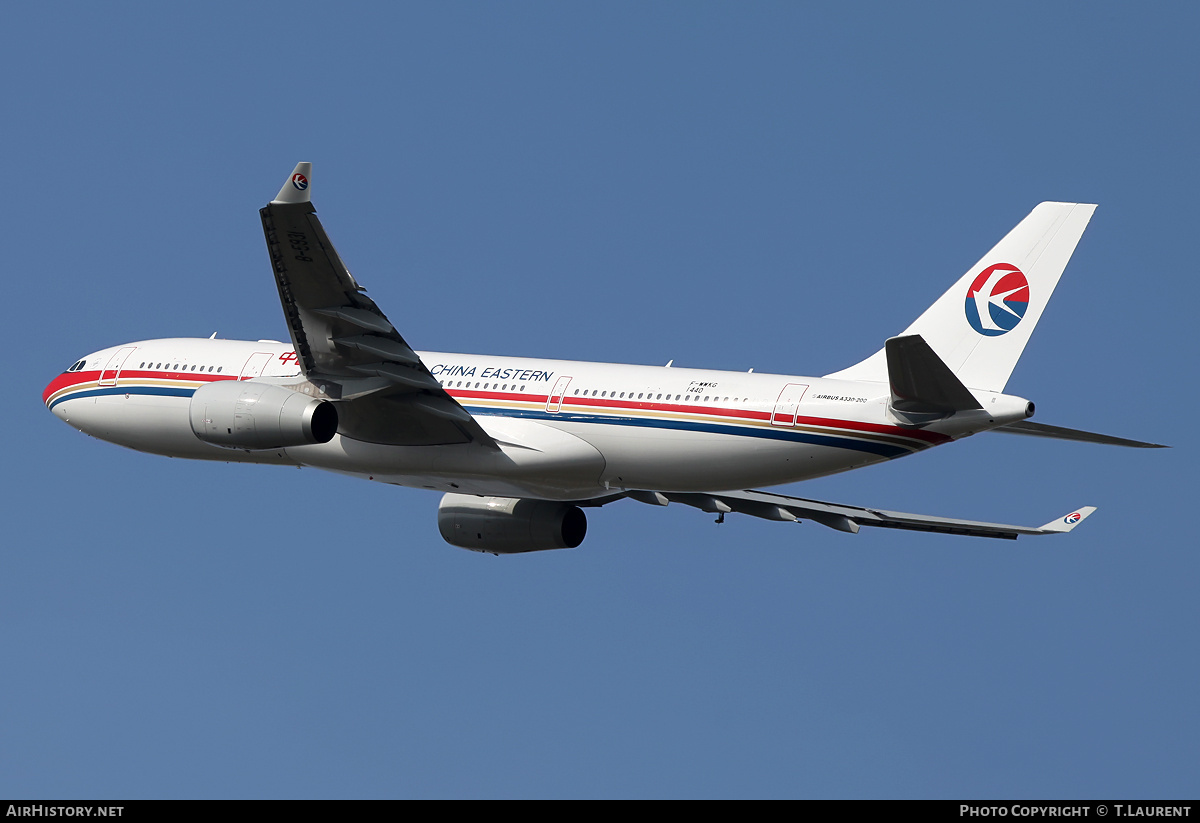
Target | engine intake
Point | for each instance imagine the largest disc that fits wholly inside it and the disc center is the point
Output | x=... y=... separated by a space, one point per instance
x=248 y=415
x=509 y=525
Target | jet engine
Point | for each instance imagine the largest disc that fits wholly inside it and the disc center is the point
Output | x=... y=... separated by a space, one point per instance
x=509 y=525
x=240 y=414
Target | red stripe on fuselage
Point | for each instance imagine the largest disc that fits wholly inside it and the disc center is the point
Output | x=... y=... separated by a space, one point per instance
x=80 y=379
x=68 y=379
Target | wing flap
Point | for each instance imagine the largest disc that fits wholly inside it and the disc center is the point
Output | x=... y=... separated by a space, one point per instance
x=362 y=318
x=381 y=347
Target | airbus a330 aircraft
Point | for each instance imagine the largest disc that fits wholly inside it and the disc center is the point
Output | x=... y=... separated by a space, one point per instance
x=519 y=446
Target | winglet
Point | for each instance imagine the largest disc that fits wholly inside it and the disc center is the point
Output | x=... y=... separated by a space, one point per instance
x=297 y=188
x=1065 y=524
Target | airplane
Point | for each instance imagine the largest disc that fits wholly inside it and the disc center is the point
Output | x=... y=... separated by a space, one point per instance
x=519 y=447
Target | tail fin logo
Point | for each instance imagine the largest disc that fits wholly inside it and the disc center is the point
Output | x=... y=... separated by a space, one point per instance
x=299 y=181
x=1072 y=518
x=997 y=300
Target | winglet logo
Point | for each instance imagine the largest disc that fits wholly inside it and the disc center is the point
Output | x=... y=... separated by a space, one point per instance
x=997 y=299
x=299 y=181
x=1072 y=518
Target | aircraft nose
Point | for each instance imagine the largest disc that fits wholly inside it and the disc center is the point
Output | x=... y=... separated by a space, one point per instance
x=52 y=389
x=59 y=389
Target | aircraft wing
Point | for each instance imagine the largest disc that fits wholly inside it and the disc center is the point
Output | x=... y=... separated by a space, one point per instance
x=844 y=518
x=345 y=343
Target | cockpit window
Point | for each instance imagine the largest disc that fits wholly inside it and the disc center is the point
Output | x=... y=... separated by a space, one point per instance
x=77 y=365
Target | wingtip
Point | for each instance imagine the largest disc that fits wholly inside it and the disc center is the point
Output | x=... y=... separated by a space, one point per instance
x=298 y=187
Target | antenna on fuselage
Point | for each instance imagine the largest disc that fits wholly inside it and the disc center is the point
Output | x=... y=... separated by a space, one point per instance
x=212 y=336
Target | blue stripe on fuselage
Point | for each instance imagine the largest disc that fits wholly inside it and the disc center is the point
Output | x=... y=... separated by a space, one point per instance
x=162 y=391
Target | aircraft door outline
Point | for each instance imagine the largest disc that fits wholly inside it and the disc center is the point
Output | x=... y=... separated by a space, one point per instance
x=108 y=377
x=788 y=405
x=554 y=400
x=255 y=365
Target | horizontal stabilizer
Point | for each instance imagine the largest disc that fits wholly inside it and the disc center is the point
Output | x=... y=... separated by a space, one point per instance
x=1059 y=433
x=921 y=383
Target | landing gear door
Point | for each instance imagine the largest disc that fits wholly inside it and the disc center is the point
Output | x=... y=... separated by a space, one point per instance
x=788 y=404
x=554 y=401
x=108 y=377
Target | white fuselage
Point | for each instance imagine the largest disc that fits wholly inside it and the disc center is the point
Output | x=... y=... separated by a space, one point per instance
x=567 y=430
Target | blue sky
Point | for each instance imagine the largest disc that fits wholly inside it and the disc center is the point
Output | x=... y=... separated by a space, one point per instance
x=776 y=186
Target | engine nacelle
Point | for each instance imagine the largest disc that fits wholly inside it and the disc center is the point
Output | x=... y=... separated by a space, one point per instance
x=509 y=525
x=241 y=414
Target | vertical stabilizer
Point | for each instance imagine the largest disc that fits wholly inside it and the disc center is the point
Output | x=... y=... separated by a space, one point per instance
x=981 y=325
